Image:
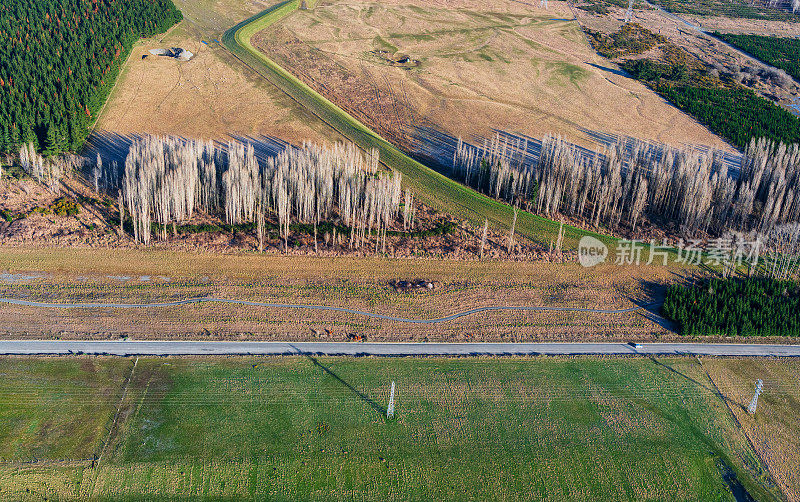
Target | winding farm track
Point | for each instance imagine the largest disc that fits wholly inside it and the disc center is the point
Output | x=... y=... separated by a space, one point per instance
x=188 y=301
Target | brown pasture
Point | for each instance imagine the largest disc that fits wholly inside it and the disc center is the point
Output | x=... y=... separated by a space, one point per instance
x=482 y=66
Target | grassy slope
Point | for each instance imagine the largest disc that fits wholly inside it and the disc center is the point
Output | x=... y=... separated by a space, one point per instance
x=430 y=187
x=285 y=429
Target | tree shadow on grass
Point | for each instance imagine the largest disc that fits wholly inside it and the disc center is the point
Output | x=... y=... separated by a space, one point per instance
x=650 y=302
x=712 y=389
x=615 y=71
x=113 y=148
x=375 y=406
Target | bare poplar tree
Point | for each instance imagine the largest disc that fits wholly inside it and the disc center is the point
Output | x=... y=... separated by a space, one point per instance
x=97 y=171
x=121 y=209
x=483 y=235
x=260 y=227
x=560 y=240
x=512 y=230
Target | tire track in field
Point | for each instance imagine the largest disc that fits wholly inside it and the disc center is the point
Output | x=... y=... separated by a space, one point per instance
x=328 y=308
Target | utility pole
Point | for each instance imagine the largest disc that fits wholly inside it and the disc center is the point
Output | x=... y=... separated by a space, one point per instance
x=629 y=13
x=754 y=403
x=390 y=408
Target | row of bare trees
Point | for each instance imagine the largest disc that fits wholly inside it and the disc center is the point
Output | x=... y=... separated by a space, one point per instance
x=166 y=179
x=774 y=254
x=47 y=171
x=782 y=253
x=498 y=168
x=630 y=178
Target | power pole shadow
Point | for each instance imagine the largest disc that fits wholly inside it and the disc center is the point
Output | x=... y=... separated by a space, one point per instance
x=375 y=406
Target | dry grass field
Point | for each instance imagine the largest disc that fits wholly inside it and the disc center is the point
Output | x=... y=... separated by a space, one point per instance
x=300 y=428
x=773 y=429
x=211 y=96
x=474 y=66
x=739 y=25
x=136 y=276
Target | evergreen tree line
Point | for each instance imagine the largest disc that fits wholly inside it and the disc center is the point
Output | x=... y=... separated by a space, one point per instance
x=59 y=60
x=735 y=307
x=621 y=183
x=165 y=180
x=730 y=110
x=783 y=53
x=766 y=302
x=737 y=114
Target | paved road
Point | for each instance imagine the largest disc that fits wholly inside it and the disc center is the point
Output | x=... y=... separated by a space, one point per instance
x=27 y=303
x=156 y=348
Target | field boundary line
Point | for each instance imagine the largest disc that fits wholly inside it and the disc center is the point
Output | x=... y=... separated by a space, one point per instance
x=96 y=464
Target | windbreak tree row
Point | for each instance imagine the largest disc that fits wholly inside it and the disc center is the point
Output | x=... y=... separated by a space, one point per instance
x=165 y=180
x=499 y=169
x=634 y=178
x=59 y=60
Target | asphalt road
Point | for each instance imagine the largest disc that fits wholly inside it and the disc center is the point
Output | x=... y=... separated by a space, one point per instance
x=179 y=347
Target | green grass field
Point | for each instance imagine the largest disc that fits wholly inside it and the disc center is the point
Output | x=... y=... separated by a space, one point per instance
x=431 y=187
x=297 y=428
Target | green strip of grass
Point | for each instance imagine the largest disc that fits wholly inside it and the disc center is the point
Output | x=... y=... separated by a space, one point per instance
x=303 y=428
x=430 y=187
